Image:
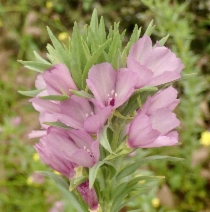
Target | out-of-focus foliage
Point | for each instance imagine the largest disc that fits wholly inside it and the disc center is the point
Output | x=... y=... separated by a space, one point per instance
x=23 y=30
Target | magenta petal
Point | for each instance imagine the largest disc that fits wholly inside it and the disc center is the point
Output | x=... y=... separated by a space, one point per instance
x=141 y=132
x=165 y=77
x=81 y=138
x=162 y=141
x=141 y=50
x=95 y=122
x=144 y=74
x=46 y=117
x=37 y=133
x=89 y=195
x=164 y=98
x=126 y=82
x=164 y=120
x=59 y=78
x=74 y=112
x=95 y=150
x=40 y=83
x=47 y=105
x=82 y=158
x=101 y=81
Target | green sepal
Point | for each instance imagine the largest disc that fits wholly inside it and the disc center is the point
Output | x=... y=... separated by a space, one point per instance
x=40 y=59
x=57 y=124
x=55 y=97
x=163 y=40
x=32 y=93
x=81 y=93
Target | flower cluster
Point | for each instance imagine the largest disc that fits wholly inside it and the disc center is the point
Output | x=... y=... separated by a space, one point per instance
x=77 y=144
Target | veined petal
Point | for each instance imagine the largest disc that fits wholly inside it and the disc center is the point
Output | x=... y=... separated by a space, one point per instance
x=77 y=109
x=164 y=98
x=37 y=133
x=141 y=132
x=48 y=106
x=141 y=50
x=95 y=150
x=144 y=74
x=101 y=81
x=81 y=138
x=95 y=122
x=125 y=85
x=59 y=78
x=165 y=77
x=82 y=158
x=164 y=120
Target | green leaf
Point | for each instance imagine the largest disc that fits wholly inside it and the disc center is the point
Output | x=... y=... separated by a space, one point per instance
x=40 y=59
x=57 y=124
x=146 y=89
x=104 y=140
x=63 y=187
x=35 y=66
x=102 y=31
x=150 y=29
x=55 y=97
x=75 y=182
x=163 y=40
x=133 y=167
x=81 y=93
x=31 y=93
x=94 y=22
x=93 y=60
x=94 y=170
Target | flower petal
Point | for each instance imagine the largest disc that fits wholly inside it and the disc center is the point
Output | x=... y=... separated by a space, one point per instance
x=37 y=133
x=164 y=120
x=141 y=50
x=144 y=74
x=125 y=86
x=58 y=78
x=95 y=122
x=141 y=132
x=101 y=81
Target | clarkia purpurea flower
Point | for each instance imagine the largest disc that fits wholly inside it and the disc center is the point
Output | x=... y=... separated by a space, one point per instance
x=155 y=65
x=153 y=126
x=110 y=87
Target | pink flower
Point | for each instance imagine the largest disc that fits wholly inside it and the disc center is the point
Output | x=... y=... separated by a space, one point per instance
x=154 y=130
x=153 y=125
x=154 y=65
x=110 y=87
x=89 y=195
x=72 y=146
x=78 y=113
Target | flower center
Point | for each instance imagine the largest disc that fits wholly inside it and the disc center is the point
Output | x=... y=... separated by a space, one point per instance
x=111 y=98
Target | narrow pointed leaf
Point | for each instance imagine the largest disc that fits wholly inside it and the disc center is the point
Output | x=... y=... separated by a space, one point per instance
x=55 y=97
x=133 y=167
x=104 y=140
x=150 y=29
x=81 y=93
x=163 y=40
x=63 y=187
x=40 y=59
x=30 y=93
x=57 y=124
x=35 y=66
x=93 y=60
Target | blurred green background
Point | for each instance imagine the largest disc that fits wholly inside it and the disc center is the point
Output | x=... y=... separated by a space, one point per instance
x=23 y=29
